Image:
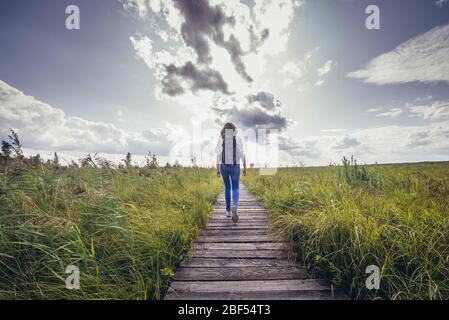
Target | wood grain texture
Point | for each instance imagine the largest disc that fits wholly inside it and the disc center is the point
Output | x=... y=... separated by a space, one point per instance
x=244 y=260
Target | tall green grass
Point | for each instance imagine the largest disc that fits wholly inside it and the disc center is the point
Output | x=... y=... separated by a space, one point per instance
x=341 y=219
x=125 y=228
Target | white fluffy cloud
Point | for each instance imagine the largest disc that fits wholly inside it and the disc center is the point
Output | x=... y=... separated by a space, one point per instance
x=302 y=74
x=423 y=58
x=435 y=111
x=393 y=112
x=381 y=144
x=42 y=126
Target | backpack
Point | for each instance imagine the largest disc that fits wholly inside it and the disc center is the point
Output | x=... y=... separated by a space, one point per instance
x=234 y=151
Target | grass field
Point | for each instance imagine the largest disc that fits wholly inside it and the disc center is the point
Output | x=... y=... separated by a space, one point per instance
x=341 y=219
x=126 y=228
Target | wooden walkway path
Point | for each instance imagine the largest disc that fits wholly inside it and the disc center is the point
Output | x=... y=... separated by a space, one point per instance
x=243 y=261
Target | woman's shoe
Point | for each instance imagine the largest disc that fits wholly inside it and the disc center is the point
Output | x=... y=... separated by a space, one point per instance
x=228 y=214
x=235 y=215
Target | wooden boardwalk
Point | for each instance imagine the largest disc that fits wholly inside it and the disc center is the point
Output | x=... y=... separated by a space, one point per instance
x=243 y=261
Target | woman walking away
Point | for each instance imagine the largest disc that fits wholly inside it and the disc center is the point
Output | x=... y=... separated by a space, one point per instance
x=230 y=152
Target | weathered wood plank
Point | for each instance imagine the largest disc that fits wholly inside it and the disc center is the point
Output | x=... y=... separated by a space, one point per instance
x=238 y=227
x=232 y=274
x=195 y=262
x=244 y=223
x=231 y=253
x=242 y=246
x=250 y=286
x=235 y=233
x=235 y=226
x=241 y=238
x=257 y=295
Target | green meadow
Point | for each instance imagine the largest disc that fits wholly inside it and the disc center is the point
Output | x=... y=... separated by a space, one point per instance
x=127 y=228
x=341 y=219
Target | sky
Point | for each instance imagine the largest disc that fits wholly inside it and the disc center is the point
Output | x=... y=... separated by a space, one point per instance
x=163 y=76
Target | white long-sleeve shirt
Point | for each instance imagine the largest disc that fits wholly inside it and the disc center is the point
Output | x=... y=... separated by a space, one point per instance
x=239 y=152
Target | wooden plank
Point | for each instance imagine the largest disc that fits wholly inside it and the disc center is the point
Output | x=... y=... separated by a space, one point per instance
x=256 y=295
x=195 y=262
x=231 y=253
x=241 y=215
x=244 y=223
x=241 y=228
x=241 y=238
x=252 y=204
x=235 y=233
x=250 y=286
x=242 y=246
x=232 y=274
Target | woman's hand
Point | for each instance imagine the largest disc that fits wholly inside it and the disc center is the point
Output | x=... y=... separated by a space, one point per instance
x=218 y=174
x=244 y=172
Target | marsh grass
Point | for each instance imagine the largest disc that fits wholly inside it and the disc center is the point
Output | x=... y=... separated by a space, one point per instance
x=126 y=228
x=341 y=219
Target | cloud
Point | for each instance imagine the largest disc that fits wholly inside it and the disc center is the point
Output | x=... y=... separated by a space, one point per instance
x=265 y=99
x=381 y=144
x=345 y=142
x=326 y=68
x=436 y=111
x=393 y=112
x=293 y=71
x=252 y=117
x=420 y=59
x=260 y=110
x=42 y=126
x=428 y=137
x=307 y=147
x=195 y=78
x=204 y=23
x=247 y=33
x=441 y=3
x=303 y=74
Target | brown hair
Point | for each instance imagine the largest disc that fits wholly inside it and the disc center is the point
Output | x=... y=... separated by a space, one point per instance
x=227 y=126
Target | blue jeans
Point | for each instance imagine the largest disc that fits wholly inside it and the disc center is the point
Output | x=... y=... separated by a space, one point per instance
x=231 y=179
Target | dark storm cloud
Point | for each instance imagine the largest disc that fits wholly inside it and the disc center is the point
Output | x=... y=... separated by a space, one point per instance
x=203 y=22
x=177 y=78
x=265 y=99
x=252 y=117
